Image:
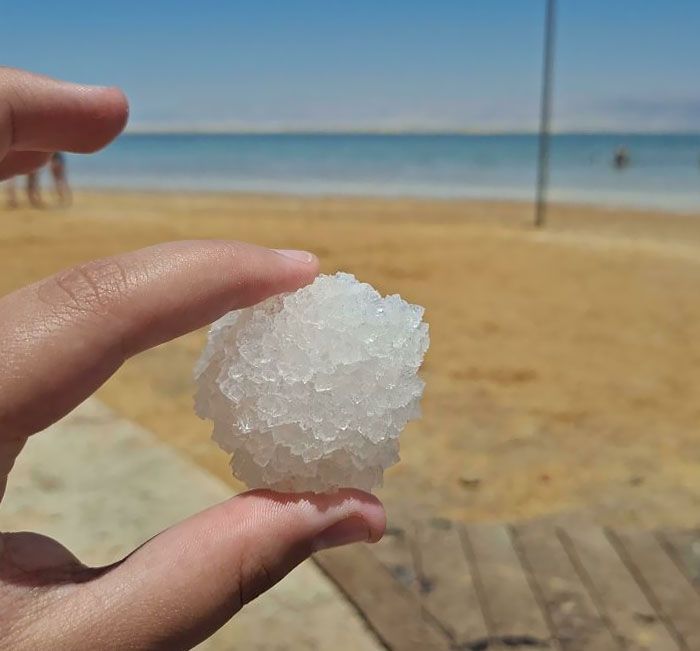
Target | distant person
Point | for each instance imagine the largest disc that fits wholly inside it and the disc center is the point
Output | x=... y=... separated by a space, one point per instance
x=11 y=193
x=60 y=180
x=57 y=166
x=33 y=190
x=621 y=159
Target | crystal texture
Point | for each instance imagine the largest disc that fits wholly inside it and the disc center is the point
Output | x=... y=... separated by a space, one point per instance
x=310 y=390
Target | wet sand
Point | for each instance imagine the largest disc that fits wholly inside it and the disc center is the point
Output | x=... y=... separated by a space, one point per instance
x=564 y=371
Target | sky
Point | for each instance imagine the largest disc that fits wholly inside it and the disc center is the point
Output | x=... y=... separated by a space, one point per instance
x=629 y=65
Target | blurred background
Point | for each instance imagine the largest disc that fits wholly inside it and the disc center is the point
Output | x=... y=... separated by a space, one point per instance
x=398 y=141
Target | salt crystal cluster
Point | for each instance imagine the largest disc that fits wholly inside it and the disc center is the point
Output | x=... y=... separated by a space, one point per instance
x=310 y=390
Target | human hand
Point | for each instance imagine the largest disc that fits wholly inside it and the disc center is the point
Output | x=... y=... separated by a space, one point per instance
x=62 y=338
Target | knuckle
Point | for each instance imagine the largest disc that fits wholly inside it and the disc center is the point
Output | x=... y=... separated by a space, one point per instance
x=93 y=287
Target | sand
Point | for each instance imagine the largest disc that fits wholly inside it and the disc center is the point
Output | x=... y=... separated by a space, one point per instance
x=564 y=373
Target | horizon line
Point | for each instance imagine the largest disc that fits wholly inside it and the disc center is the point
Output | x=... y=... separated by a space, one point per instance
x=343 y=131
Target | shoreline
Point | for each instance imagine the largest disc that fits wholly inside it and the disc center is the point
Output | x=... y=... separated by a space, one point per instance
x=663 y=174
x=603 y=206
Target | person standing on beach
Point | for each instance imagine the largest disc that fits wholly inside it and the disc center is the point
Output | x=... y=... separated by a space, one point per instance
x=60 y=180
x=57 y=166
x=11 y=193
x=33 y=190
x=32 y=187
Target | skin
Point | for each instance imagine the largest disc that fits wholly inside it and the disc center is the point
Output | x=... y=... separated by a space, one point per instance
x=66 y=335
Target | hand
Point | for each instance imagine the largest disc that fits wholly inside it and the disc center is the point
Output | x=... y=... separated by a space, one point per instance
x=62 y=338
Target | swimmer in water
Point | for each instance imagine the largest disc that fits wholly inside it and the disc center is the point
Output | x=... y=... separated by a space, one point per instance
x=621 y=159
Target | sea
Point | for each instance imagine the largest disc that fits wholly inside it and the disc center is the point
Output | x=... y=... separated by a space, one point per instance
x=664 y=170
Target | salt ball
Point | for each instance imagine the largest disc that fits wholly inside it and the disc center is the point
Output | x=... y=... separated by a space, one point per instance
x=310 y=390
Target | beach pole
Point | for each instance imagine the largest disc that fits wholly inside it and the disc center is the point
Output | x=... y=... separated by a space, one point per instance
x=545 y=114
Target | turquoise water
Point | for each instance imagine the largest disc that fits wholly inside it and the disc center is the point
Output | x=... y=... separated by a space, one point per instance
x=665 y=169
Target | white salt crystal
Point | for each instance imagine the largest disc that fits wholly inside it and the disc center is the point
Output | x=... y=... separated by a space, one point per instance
x=310 y=390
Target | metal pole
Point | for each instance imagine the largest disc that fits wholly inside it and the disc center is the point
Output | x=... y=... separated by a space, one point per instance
x=545 y=114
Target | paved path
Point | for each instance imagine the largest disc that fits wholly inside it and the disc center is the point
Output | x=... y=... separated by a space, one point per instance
x=566 y=586
x=102 y=485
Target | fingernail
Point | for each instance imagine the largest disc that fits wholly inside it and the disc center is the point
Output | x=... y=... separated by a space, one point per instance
x=351 y=530
x=299 y=256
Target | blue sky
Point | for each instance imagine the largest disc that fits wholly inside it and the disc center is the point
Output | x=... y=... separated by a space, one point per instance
x=393 y=64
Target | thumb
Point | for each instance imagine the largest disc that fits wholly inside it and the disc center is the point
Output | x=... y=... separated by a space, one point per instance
x=184 y=584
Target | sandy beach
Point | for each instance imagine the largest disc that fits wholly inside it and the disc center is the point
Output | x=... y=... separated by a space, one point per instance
x=564 y=371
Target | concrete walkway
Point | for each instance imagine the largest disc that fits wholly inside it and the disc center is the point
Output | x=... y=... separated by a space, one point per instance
x=102 y=485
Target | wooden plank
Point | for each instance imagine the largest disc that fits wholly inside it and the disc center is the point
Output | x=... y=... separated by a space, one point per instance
x=572 y=613
x=668 y=590
x=684 y=547
x=512 y=614
x=391 y=611
x=446 y=583
x=395 y=552
x=632 y=618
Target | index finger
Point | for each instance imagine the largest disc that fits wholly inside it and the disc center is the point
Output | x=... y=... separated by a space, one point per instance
x=64 y=336
x=38 y=113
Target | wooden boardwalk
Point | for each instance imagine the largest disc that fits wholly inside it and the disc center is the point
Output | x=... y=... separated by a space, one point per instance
x=444 y=586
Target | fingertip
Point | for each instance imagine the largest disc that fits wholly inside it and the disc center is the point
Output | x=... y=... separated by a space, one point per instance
x=271 y=271
x=109 y=113
x=367 y=506
x=375 y=516
x=303 y=273
x=326 y=509
x=304 y=265
x=119 y=105
x=256 y=272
